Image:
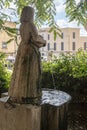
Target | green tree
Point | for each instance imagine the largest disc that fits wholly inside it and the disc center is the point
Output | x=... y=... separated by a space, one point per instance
x=77 y=11
x=45 y=12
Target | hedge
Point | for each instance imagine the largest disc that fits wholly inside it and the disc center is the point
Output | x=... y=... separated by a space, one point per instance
x=5 y=75
x=68 y=72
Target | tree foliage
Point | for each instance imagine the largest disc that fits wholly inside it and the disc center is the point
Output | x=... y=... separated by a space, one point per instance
x=77 y=11
x=45 y=12
x=4 y=74
x=68 y=72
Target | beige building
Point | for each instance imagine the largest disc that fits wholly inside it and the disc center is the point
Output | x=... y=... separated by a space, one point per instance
x=10 y=48
x=71 y=41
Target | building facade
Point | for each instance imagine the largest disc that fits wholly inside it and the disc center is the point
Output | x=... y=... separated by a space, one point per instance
x=70 y=41
x=8 y=48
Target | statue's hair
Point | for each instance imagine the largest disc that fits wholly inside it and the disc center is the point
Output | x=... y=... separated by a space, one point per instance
x=27 y=14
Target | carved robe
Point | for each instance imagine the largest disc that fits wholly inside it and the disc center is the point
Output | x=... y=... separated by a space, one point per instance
x=25 y=82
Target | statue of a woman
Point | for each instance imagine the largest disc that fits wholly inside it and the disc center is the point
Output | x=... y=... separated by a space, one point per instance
x=25 y=82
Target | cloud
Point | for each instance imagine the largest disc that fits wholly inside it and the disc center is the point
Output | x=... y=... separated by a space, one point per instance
x=83 y=31
x=61 y=19
x=60 y=9
x=77 y=1
x=60 y=6
x=63 y=23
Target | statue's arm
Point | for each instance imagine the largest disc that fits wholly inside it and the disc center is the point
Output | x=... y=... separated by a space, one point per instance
x=38 y=40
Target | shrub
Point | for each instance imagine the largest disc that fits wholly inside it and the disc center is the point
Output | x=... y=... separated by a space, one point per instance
x=4 y=75
x=68 y=72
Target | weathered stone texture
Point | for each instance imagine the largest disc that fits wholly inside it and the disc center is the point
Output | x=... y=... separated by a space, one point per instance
x=22 y=117
x=54 y=118
x=50 y=115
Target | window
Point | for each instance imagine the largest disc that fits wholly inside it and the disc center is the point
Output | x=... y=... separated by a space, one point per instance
x=62 y=35
x=73 y=35
x=54 y=46
x=48 y=46
x=73 y=46
x=48 y=37
x=85 y=45
x=42 y=54
x=62 y=45
x=4 y=45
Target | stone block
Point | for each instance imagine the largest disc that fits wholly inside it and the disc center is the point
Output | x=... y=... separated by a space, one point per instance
x=50 y=115
x=22 y=117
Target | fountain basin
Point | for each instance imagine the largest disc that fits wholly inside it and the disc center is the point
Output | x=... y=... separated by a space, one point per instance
x=51 y=114
x=54 y=97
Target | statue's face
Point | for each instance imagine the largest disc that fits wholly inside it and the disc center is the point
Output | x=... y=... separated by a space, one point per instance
x=27 y=14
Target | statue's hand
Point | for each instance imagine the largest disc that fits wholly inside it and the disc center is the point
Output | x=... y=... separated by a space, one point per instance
x=40 y=42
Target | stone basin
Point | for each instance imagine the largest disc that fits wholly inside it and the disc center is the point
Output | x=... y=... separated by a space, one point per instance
x=49 y=96
x=54 y=97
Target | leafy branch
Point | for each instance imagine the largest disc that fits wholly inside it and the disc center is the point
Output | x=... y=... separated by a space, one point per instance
x=45 y=12
x=77 y=11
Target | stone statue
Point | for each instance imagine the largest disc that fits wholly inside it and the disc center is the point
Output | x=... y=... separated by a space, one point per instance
x=25 y=82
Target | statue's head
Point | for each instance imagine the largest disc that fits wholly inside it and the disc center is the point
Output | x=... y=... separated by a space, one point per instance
x=27 y=14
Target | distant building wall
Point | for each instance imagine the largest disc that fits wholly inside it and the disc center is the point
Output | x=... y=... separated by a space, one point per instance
x=10 y=48
x=71 y=41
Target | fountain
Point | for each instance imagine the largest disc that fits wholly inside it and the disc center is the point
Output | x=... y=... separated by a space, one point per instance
x=27 y=106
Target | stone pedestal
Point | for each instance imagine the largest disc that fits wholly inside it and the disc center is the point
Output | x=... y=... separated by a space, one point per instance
x=54 y=118
x=51 y=114
x=22 y=117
